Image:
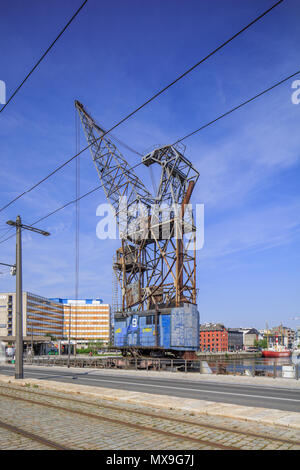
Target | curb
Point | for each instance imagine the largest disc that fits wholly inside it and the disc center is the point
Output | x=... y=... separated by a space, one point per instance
x=195 y=407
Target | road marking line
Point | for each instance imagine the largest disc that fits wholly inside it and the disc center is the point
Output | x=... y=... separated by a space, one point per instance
x=178 y=388
x=208 y=382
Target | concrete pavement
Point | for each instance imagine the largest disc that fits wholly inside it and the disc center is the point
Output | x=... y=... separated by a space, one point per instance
x=267 y=416
x=41 y=418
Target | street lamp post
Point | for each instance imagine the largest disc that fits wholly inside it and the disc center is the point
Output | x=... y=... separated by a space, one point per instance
x=19 y=373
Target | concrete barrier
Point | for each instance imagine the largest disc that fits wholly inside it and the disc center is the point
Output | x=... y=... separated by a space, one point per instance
x=288 y=372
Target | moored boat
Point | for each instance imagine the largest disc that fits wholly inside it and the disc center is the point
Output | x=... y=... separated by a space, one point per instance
x=276 y=353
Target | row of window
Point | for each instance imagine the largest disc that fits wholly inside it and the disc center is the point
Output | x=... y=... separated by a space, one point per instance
x=92 y=308
x=88 y=317
x=213 y=334
x=85 y=328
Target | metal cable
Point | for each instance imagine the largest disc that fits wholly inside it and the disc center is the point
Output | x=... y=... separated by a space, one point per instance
x=145 y=103
x=43 y=56
x=179 y=140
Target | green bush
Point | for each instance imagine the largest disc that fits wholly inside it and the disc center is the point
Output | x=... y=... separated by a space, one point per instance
x=84 y=350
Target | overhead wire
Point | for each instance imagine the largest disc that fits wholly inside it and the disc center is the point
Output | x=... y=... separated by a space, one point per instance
x=42 y=57
x=177 y=141
x=180 y=77
x=237 y=107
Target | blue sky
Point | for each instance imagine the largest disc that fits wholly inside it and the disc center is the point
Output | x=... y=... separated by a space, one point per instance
x=112 y=58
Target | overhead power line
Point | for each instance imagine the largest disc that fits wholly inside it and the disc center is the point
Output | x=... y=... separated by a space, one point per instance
x=43 y=56
x=180 y=77
x=237 y=107
x=8 y=238
x=179 y=140
x=73 y=201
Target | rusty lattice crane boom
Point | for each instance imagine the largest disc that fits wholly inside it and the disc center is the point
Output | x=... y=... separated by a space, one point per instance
x=154 y=266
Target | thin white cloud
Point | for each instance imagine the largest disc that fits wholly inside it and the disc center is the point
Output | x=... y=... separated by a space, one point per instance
x=259 y=229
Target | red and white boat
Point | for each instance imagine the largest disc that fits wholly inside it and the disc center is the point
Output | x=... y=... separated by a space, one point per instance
x=276 y=352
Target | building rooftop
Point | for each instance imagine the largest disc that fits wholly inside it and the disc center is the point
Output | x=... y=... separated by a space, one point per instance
x=78 y=301
x=212 y=326
x=252 y=331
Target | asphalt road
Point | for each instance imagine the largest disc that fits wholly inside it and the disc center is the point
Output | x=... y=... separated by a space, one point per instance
x=246 y=395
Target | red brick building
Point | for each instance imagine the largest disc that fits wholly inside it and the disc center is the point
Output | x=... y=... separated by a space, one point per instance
x=213 y=338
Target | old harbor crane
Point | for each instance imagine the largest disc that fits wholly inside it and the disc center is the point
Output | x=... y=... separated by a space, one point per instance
x=155 y=265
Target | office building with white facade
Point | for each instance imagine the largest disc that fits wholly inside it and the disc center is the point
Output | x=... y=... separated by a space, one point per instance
x=86 y=320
